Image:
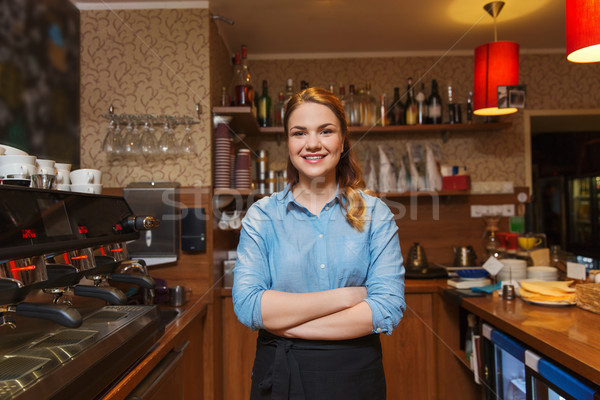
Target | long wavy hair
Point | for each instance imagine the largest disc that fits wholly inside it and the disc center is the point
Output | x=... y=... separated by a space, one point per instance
x=348 y=173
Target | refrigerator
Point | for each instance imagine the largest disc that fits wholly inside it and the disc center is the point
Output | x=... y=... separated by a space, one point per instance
x=583 y=216
x=548 y=381
x=511 y=371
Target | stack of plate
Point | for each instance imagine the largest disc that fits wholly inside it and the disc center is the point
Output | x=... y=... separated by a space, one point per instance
x=243 y=170
x=223 y=165
x=542 y=273
x=513 y=269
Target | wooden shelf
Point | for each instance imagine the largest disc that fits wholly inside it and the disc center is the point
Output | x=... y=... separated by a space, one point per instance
x=244 y=122
x=473 y=127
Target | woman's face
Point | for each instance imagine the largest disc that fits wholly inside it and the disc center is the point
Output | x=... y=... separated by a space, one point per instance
x=314 y=142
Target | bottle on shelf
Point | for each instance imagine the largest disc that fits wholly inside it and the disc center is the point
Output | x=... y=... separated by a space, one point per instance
x=351 y=114
x=264 y=106
x=331 y=88
x=342 y=96
x=289 y=90
x=371 y=107
x=421 y=105
x=244 y=89
x=470 y=107
x=396 y=109
x=383 y=112
x=224 y=102
x=279 y=111
x=451 y=106
x=304 y=85
x=434 y=104
x=410 y=107
x=237 y=82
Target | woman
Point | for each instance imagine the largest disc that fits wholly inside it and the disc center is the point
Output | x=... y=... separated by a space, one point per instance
x=319 y=268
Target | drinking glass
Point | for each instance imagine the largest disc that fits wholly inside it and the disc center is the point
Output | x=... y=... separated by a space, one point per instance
x=131 y=144
x=187 y=143
x=148 y=145
x=112 y=140
x=167 y=143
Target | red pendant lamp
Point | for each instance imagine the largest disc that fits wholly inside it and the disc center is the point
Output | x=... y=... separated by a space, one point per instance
x=496 y=64
x=583 y=31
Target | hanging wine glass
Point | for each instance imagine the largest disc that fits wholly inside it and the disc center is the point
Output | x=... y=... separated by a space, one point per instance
x=187 y=143
x=118 y=140
x=131 y=145
x=163 y=145
x=173 y=146
x=148 y=141
x=108 y=145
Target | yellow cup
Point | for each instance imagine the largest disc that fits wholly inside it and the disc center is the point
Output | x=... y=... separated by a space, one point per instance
x=527 y=243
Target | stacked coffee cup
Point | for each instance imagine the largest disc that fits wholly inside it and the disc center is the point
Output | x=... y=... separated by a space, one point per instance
x=86 y=180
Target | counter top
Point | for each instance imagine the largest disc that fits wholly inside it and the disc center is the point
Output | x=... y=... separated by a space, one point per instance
x=568 y=335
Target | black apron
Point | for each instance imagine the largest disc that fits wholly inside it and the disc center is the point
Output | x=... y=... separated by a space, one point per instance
x=298 y=369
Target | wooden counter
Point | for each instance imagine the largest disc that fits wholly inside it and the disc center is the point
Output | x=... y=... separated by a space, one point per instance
x=568 y=335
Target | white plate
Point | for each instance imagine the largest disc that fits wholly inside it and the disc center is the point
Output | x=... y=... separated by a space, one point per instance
x=548 y=303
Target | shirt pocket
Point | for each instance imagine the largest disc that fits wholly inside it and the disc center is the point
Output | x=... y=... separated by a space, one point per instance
x=352 y=261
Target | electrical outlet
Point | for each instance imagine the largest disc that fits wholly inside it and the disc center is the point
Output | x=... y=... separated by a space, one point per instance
x=508 y=210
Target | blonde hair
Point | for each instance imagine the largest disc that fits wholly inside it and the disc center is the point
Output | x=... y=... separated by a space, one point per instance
x=348 y=173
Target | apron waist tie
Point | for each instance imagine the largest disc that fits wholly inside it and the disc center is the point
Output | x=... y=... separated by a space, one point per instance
x=284 y=375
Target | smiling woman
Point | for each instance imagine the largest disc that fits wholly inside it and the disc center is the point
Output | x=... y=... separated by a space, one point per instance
x=319 y=269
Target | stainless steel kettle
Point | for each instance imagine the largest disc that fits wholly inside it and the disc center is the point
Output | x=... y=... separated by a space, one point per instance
x=464 y=256
x=416 y=258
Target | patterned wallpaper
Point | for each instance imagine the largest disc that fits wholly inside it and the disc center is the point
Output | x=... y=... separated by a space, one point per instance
x=145 y=61
x=166 y=61
x=552 y=83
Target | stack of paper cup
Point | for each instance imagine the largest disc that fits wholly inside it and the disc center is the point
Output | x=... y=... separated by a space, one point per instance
x=513 y=269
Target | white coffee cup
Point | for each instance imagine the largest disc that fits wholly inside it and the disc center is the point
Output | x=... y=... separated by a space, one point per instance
x=45 y=167
x=94 y=188
x=25 y=170
x=63 y=172
x=85 y=176
x=9 y=150
x=17 y=159
x=63 y=187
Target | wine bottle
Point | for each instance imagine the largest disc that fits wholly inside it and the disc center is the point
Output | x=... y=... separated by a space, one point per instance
x=470 y=107
x=396 y=109
x=383 y=111
x=245 y=90
x=410 y=107
x=279 y=111
x=434 y=104
x=264 y=106
x=421 y=105
x=451 y=106
x=371 y=107
x=351 y=108
x=289 y=90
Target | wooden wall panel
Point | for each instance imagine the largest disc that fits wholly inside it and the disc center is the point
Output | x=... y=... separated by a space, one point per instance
x=408 y=356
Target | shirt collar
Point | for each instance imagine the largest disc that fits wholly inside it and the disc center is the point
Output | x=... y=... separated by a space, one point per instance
x=289 y=202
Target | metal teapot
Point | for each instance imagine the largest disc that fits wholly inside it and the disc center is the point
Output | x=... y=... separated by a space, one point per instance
x=464 y=256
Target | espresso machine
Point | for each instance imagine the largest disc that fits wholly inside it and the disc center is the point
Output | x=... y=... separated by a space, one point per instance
x=65 y=332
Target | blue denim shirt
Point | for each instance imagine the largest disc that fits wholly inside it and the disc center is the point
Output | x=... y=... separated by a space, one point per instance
x=285 y=247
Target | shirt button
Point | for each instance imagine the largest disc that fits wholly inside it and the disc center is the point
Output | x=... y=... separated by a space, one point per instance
x=322 y=266
x=378 y=329
x=326 y=208
x=320 y=236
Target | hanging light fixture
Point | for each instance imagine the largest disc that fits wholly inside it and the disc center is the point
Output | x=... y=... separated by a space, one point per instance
x=496 y=64
x=583 y=31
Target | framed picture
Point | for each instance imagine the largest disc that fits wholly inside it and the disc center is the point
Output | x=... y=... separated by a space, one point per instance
x=512 y=96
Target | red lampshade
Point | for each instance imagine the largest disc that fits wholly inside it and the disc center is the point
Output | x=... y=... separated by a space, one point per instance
x=583 y=31
x=496 y=64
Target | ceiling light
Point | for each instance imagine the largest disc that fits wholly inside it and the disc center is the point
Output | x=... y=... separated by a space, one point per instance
x=496 y=64
x=583 y=31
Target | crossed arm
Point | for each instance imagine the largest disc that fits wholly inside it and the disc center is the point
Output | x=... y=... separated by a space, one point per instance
x=335 y=314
